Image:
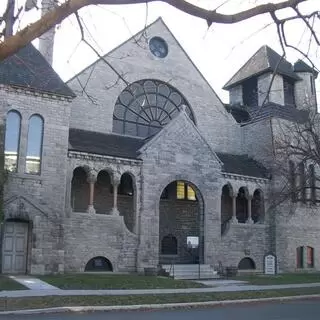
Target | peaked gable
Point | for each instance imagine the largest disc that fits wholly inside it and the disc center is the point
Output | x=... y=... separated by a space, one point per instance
x=158 y=23
x=179 y=128
x=264 y=60
x=29 y=69
x=20 y=207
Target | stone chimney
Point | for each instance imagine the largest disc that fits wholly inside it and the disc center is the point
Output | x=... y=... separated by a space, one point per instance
x=46 y=41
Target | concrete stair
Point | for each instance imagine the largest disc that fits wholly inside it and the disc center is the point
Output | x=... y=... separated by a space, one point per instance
x=190 y=271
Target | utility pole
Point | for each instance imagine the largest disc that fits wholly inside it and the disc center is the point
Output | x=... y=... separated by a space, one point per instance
x=9 y=18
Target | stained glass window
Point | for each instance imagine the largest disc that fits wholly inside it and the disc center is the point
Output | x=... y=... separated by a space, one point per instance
x=146 y=106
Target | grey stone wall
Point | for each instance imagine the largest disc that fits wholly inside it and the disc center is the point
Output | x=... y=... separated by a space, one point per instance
x=91 y=235
x=40 y=199
x=303 y=94
x=244 y=240
x=181 y=219
x=134 y=61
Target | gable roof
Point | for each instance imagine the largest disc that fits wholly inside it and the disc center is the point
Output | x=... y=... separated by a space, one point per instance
x=128 y=147
x=264 y=60
x=29 y=69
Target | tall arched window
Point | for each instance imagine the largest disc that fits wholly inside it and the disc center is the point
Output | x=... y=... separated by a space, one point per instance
x=34 y=147
x=12 y=139
x=312 y=183
x=302 y=182
x=292 y=181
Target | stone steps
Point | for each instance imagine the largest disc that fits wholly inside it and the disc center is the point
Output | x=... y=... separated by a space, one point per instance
x=190 y=271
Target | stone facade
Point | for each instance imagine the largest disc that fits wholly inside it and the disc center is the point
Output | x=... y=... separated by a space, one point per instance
x=126 y=226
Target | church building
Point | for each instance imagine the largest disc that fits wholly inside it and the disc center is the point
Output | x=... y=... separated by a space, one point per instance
x=135 y=163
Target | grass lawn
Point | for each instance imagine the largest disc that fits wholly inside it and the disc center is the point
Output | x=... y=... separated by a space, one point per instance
x=8 y=284
x=116 y=281
x=59 y=301
x=285 y=278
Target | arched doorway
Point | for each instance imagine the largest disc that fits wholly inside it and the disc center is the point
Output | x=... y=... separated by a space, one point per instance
x=181 y=238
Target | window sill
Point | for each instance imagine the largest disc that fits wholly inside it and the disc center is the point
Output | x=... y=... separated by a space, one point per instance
x=25 y=176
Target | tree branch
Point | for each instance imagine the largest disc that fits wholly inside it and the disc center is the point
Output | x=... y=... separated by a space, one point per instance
x=55 y=16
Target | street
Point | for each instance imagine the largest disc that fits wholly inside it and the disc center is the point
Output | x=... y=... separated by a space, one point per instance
x=295 y=310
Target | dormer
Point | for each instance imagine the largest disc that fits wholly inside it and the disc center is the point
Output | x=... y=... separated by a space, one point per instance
x=270 y=80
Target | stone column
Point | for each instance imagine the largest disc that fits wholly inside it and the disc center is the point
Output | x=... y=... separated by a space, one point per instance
x=250 y=221
x=234 y=209
x=115 y=183
x=92 y=178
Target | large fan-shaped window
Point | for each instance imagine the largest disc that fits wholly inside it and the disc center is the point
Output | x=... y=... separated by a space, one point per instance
x=145 y=106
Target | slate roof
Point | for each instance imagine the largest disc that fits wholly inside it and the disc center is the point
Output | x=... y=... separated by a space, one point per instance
x=264 y=60
x=29 y=69
x=245 y=115
x=104 y=144
x=301 y=66
x=243 y=165
x=127 y=147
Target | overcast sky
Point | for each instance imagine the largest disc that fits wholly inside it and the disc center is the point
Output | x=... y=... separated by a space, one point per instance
x=218 y=52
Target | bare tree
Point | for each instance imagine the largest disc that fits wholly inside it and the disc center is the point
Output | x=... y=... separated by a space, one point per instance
x=296 y=162
x=66 y=8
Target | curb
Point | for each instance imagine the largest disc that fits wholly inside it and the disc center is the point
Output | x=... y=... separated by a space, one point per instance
x=149 y=307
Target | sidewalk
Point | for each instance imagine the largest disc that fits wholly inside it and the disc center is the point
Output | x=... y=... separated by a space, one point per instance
x=41 y=289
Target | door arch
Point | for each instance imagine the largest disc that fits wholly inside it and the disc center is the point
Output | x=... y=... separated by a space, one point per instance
x=181 y=215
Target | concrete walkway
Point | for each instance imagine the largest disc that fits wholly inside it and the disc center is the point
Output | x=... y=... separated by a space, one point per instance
x=120 y=292
x=33 y=283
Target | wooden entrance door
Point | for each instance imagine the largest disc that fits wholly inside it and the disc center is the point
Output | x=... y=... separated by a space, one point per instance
x=15 y=247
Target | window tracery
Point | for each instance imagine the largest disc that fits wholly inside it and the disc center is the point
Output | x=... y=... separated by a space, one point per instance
x=146 y=106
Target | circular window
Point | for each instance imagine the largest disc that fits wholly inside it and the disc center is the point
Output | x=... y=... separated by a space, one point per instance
x=158 y=47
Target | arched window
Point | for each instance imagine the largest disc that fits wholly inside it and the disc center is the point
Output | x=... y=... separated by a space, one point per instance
x=98 y=264
x=302 y=182
x=300 y=259
x=312 y=183
x=226 y=204
x=12 y=139
x=126 y=200
x=103 y=200
x=292 y=182
x=257 y=206
x=246 y=264
x=145 y=106
x=310 y=257
x=34 y=147
x=169 y=245
x=79 y=190
x=242 y=205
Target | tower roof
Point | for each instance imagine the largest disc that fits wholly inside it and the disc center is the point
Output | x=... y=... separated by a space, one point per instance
x=301 y=66
x=264 y=60
x=29 y=69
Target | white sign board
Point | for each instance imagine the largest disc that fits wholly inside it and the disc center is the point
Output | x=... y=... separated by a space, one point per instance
x=270 y=264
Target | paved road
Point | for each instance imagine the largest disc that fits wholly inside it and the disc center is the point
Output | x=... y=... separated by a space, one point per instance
x=296 y=310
